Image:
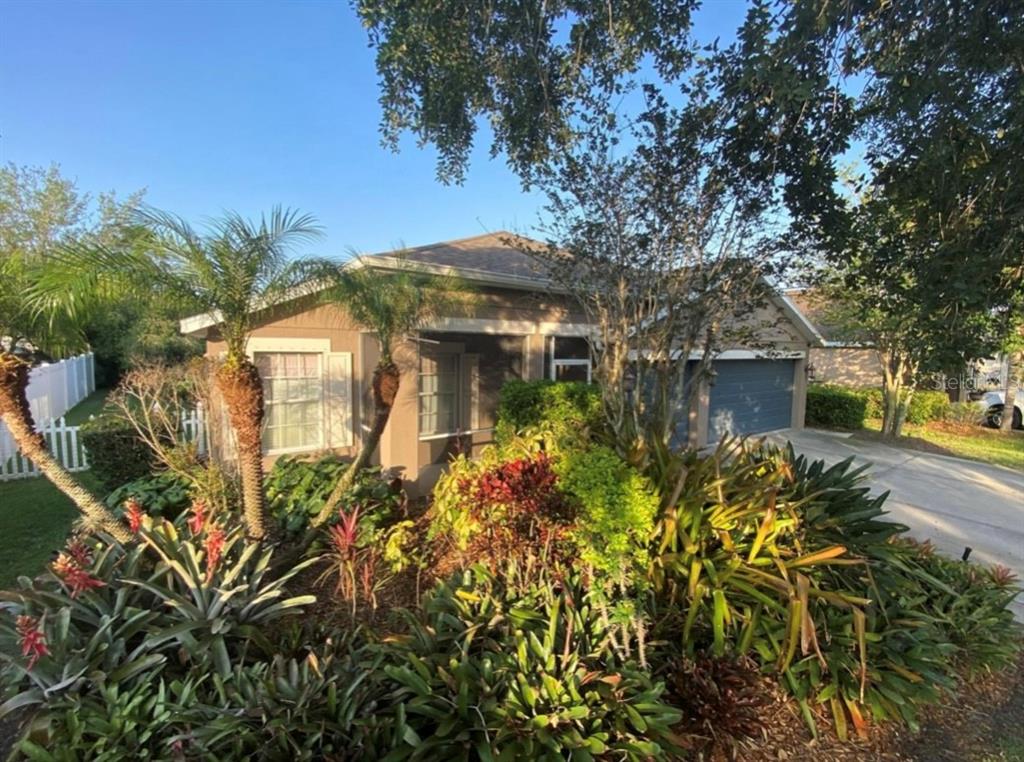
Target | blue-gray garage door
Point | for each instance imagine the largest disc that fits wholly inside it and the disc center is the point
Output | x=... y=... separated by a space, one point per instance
x=681 y=433
x=750 y=396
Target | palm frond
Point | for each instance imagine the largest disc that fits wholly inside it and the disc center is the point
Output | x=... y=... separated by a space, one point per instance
x=230 y=269
x=395 y=302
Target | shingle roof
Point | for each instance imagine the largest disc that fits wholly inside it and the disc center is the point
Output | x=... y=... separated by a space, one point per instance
x=498 y=253
x=810 y=305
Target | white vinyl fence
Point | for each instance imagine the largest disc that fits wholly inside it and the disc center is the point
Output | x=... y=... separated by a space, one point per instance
x=53 y=389
x=66 y=445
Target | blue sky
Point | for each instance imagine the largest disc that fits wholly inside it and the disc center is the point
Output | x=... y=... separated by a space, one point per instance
x=240 y=105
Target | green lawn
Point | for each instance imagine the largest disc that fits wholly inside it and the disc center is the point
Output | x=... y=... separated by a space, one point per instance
x=34 y=521
x=974 y=443
x=34 y=517
x=91 y=405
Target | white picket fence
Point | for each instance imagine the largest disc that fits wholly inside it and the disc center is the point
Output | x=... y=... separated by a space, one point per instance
x=53 y=389
x=65 y=443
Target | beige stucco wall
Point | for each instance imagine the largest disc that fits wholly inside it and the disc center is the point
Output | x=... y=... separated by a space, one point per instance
x=771 y=326
x=846 y=366
x=510 y=312
x=528 y=315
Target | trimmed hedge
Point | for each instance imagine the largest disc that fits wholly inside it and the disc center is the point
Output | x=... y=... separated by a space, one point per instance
x=843 y=407
x=562 y=407
x=928 y=406
x=116 y=454
x=836 y=407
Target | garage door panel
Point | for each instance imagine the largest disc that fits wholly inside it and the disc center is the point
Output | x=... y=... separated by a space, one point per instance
x=750 y=396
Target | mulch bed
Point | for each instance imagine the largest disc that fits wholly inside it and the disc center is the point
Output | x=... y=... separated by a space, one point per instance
x=976 y=724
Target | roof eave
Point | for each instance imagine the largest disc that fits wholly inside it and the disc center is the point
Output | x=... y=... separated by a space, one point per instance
x=196 y=325
x=805 y=326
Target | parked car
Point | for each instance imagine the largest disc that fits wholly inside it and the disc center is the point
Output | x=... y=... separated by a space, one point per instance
x=994 y=403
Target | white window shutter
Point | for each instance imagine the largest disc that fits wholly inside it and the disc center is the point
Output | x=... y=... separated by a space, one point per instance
x=338 y=399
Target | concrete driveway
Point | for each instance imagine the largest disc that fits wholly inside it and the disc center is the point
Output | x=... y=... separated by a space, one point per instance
x=953 y=502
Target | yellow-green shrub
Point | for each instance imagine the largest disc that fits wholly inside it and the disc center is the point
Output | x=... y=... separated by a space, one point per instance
x=617 y=510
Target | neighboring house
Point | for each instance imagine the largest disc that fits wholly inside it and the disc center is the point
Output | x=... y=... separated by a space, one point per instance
x=835 y=361
x=316 y=364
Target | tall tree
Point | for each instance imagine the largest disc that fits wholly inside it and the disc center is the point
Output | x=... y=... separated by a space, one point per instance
x=667 y=254
x=877 y=293
x=392 y=304
x=42 y=211
x=650 y=213
x=235 y=270
x=934 y=258
x=533 y=70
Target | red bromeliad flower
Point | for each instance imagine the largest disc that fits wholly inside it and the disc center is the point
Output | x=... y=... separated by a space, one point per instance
x=197 y=520
x=213 y=545
x=345 y=533
x=134 y=513
x=63 y=564
x=74 y=576
x=32 y=639
x=80 y=553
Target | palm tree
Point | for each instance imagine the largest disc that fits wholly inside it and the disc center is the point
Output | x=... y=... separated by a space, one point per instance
x=392 y=304
x=20 y=322
x=235 y=271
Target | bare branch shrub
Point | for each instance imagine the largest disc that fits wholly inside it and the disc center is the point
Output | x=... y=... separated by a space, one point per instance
x=157 y=400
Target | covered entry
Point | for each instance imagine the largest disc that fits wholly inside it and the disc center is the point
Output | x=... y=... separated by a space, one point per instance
x=750 y=396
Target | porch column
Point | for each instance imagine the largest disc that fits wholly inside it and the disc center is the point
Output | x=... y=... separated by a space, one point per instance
x=799 y=393
x=535 y=343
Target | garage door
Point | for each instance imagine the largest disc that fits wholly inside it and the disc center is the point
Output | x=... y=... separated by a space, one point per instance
x=750 y=396
x=681 y=410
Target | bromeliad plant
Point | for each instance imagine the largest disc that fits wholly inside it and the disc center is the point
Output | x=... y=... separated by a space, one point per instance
x=507 y=667
x=110 y=617
x=761 y=553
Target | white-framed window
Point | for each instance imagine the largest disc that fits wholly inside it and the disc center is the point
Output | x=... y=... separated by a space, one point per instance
x=570 y=359
x=439 y=393
x=293 y=394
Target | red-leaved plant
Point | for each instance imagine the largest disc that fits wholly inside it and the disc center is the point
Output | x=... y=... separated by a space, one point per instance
x=354 y=566
x=522 y=509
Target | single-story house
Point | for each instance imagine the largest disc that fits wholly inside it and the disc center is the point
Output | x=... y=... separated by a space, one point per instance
x=317 y=364
x=835 y=360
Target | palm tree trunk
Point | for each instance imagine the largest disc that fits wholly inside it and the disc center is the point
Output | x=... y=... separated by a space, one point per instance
x=15 y=413
x=386 y=378
x=240 y=386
